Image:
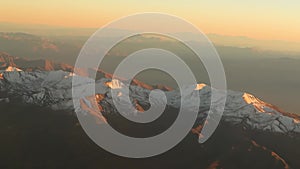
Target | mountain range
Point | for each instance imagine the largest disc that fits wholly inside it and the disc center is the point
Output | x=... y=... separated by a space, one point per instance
x=249 y=128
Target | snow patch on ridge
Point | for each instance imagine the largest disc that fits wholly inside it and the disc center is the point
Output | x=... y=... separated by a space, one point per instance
x=258 y=104
x=11 y=69
x=114 y=84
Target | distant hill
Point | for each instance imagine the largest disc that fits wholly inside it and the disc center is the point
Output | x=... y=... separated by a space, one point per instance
x=37 y=47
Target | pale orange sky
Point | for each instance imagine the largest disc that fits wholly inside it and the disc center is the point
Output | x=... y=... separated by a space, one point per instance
x=259 y=19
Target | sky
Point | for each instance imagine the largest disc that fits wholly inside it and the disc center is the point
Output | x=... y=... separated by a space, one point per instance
x=259 y=19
